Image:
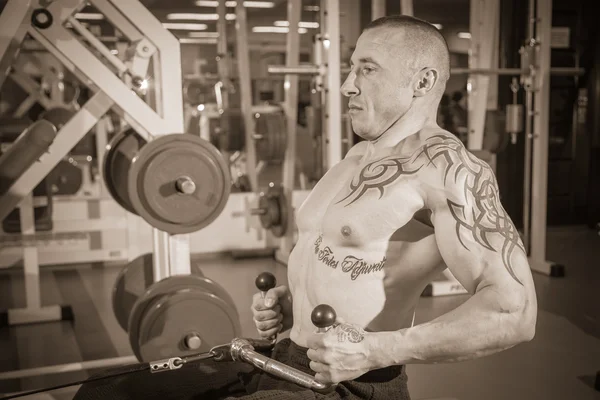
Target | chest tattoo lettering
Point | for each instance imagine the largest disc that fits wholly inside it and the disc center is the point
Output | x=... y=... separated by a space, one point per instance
x=350 y=264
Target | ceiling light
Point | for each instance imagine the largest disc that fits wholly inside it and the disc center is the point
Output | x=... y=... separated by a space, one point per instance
x=312 y=8
x=301 y=24
x=203 y=34
x=249 y=4
x=198 y=40
x=274 y=29
x=198 y=17
x=89 y=16
x=184 y=27
x=464 y=35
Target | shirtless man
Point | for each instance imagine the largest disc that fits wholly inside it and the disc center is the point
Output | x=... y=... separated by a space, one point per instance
x=403 y=205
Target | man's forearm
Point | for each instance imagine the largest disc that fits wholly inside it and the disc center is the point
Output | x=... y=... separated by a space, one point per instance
x=477 y=328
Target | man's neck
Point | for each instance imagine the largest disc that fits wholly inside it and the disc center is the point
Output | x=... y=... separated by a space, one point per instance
x=399 y=131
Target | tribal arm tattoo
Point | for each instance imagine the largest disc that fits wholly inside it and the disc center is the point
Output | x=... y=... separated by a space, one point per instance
x=479 y=212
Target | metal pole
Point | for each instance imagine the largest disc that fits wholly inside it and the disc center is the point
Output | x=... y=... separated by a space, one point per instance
x=529 y=111
x=243 y=58
x=224 y=86
x=406 y=7
x=377 y=9
x=539 y=192
x=314 y=70
x=294 y=10
x=333 y=110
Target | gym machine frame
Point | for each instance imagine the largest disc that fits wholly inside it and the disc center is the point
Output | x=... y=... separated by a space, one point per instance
x=145 y=32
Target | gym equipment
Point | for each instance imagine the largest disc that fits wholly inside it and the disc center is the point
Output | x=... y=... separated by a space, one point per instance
x=140 y=306
x=238 y=349
x=43 y=205
x=183 y=321
x=323 y=317
x=132 y=282
x=270 y=132
x=265 y=282
x=273 y=210
x=57 y=116
x=66 y=178
x=177 y=183
x=25 y=151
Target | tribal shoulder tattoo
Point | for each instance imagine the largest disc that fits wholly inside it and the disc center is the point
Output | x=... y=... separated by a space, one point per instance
x=479 y=213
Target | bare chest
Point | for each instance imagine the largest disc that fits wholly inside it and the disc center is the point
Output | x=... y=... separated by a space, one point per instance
x=361 y=202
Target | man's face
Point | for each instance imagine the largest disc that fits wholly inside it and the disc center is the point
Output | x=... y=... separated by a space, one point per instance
x=379 y=85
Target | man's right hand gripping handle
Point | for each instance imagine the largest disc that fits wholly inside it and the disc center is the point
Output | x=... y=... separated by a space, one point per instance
x=272 y=307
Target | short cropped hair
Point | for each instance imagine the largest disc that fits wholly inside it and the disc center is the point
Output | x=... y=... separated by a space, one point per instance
x=424 y=40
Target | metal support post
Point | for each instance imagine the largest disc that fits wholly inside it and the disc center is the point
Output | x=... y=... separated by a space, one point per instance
x=483 y=53
x=377 y=9
x=294 y=10
x=333 y=109
x=33 y=312
x=406 y=7
x=541 y=114
x=243 y=59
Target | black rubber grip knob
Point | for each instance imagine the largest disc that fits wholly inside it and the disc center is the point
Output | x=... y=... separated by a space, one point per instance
x=265 y=281
x=323 y=316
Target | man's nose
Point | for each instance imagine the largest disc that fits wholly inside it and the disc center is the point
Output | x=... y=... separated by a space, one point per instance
x=348 y=88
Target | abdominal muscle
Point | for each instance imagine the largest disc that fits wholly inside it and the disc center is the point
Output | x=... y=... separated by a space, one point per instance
x=376 y=289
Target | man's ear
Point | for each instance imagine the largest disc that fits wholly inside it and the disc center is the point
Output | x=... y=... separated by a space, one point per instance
x=425 y=81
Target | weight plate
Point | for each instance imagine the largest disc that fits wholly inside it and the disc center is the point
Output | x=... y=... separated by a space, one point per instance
x=172 y=317
x=153 y=183
x=275 y=213
x=120 y=151
x=280 y=228
x=167 y=286
x=132 y=282
x=272 y=127
x=66 y=178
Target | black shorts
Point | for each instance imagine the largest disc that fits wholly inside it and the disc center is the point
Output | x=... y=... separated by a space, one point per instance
x=222 y=380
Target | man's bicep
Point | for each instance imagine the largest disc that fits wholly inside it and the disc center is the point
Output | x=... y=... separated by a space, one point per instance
x=478 y=256
x=477 y=238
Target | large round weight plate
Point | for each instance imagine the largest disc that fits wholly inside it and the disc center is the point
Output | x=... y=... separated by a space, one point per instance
x=120 y=151
x=166 y=286
x=171 y=318
x=154 y=176
x=132 y=282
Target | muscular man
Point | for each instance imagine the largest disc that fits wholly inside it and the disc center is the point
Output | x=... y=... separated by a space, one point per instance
x=404 y=204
